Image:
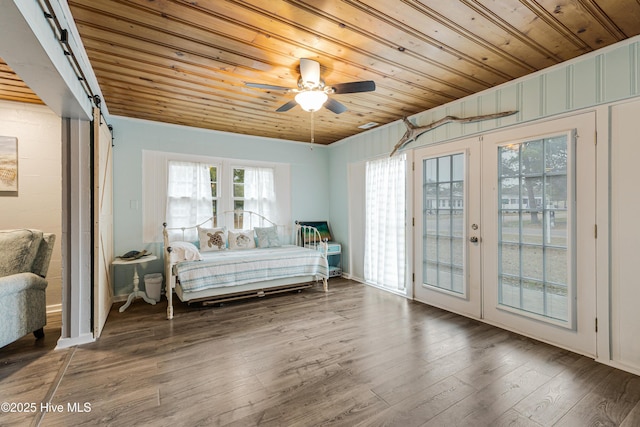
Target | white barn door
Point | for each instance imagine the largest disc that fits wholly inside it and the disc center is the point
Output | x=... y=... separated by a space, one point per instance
x=102 y=223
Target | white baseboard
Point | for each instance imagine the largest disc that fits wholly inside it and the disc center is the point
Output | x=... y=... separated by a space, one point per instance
x=70 y=342
x=354 y=278
x=632 y=369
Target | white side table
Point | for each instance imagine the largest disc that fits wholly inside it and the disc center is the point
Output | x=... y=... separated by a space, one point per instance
x=136 y=280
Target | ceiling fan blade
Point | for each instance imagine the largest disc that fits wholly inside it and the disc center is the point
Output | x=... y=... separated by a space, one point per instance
x=271 y=87
x=310 y=72
x=335 y=106
x=354 y=87
x=288 y=106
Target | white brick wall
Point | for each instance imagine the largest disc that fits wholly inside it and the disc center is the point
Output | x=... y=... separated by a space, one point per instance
x=39 y=201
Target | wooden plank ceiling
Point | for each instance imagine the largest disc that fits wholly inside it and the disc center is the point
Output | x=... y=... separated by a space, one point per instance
x=12 y=88
x=186 y=62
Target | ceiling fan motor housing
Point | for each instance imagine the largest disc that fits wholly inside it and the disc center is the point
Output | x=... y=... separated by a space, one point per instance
x=312 y=93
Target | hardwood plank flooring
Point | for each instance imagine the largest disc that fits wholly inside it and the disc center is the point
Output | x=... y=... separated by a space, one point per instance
x=354 y=356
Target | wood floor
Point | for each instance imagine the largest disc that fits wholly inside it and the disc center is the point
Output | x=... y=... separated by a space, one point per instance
x=354 y=356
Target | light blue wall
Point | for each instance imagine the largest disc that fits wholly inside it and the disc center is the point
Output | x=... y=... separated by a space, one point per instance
x=601 y=77
x=309 y=175
x=319 y=177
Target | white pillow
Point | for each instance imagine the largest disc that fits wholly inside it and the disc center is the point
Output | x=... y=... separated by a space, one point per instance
x=212 y=239
x=241 y=239
x=184 y=251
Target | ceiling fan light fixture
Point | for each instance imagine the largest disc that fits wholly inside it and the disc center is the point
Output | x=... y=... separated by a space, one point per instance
x=311 y=100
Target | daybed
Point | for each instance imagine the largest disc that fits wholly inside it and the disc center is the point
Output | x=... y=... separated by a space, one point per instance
x=232 y=264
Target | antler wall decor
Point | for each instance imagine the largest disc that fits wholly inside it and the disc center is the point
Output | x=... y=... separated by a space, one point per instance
x=413 y=131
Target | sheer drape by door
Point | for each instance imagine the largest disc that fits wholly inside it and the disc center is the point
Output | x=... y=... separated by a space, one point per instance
x=385 y=254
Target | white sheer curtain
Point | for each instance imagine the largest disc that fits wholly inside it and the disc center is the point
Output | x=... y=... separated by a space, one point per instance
x=260 y=192
x=385 y=257
x=188 y=196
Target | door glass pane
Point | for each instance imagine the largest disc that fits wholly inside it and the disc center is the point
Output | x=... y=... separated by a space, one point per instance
x=431 y=171
x=444 y=169
x=533 y=253
x=458 y=168
x=443 y=223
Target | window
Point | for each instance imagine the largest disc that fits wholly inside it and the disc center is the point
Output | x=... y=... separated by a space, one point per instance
x=213 y=176
x=192 y=194
x=253 y=190
x=238 y=188
x=238 y=196
x=183 y=190
x=188 y=194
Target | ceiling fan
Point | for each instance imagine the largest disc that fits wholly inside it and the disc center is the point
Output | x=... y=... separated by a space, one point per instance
x=312 y=93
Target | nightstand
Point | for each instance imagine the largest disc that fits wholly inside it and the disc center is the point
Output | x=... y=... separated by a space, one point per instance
x=334 y=258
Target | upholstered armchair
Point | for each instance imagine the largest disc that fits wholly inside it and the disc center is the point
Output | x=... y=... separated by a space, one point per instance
x=24 y=261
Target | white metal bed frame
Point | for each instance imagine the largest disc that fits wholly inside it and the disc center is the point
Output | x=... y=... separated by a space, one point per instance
x=305 y=236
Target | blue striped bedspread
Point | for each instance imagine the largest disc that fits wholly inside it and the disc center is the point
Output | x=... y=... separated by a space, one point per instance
x=239 y=267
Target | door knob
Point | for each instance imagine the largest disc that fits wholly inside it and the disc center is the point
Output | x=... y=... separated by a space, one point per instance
x=473 y=239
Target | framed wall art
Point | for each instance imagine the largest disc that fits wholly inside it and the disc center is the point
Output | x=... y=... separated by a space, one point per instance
x=8 y=166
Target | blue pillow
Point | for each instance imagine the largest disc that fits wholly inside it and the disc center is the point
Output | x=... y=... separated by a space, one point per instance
x=267 y=237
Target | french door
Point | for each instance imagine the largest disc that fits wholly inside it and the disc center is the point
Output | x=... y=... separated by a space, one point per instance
x=505 y=230
x=447 y=227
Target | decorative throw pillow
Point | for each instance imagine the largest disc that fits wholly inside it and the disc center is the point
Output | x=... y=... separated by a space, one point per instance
x=212 y=239
x=267 y=237
x=241 y=239
x=184 y=251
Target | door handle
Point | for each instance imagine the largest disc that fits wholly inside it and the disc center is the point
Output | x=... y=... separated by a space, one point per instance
x=473 y=239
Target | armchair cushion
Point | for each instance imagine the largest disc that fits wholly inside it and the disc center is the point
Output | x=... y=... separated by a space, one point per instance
x=19 y=250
